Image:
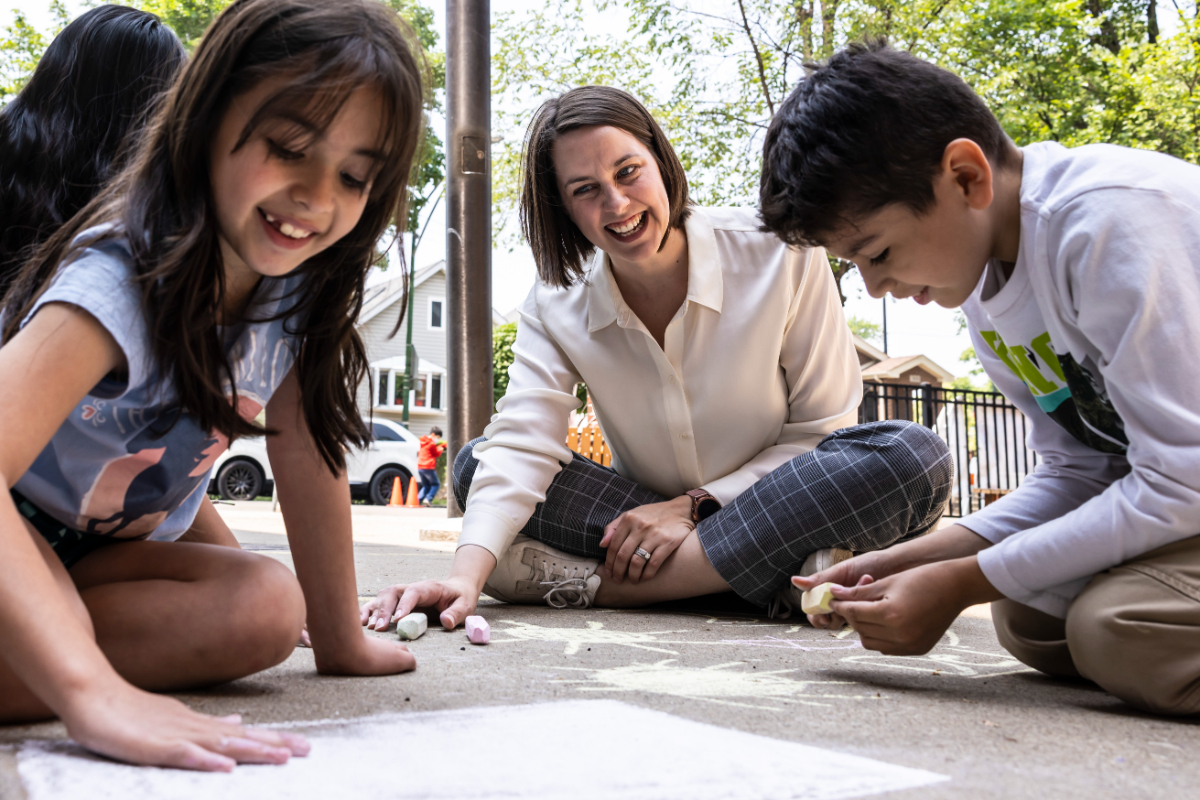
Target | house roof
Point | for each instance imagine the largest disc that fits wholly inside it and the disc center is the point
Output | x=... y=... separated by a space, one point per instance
x=895 y=367
x=867 y=349
x=384 y=295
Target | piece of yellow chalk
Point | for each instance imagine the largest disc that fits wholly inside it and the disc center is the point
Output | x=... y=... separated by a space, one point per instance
x=412 y=626
x=817 y=599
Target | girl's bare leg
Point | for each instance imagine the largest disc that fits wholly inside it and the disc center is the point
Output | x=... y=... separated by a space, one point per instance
x=686 y=573
x=173 y=615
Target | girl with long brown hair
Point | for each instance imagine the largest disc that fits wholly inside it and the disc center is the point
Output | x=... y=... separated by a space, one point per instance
x=219 y=275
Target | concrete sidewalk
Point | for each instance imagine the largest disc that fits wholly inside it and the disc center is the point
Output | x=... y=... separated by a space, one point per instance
x=967 y=710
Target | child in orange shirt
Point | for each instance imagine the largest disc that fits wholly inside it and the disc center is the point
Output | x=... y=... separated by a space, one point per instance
x=432 y=447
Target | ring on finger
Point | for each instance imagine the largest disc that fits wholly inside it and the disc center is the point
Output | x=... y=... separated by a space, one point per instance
x=642 y=553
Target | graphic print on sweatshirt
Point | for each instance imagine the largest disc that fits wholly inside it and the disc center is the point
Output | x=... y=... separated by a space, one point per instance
x=1068 y=392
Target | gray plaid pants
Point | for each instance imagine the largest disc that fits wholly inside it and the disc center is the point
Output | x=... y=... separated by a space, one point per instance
x=862 y=488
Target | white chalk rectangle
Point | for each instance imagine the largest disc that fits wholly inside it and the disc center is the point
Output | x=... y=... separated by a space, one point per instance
x=513 y=752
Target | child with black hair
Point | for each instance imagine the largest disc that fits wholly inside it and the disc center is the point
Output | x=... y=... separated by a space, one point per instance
x=1079 y=273
x=62 y=135
x=218 y=275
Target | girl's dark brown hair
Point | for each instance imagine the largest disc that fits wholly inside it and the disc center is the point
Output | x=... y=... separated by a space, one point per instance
x=559 y=247
x=162 y=205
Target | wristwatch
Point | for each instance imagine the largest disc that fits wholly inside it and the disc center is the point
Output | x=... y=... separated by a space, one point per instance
x=704 y=505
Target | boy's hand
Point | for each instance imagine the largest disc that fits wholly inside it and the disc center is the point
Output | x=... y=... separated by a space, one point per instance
x=128 y=724
x=906 y=614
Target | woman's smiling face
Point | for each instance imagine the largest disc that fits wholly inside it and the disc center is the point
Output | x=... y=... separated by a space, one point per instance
x=612 y=189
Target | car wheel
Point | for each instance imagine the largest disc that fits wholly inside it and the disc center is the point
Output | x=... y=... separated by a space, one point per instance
x=240 y=480
x=381 y=484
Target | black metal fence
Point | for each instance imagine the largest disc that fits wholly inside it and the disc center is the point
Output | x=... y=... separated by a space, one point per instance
x=985 y=433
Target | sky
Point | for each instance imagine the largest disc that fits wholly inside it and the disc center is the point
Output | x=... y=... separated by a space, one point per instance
x=912 y=329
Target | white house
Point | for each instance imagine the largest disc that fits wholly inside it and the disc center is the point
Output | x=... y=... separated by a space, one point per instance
x=380 y=393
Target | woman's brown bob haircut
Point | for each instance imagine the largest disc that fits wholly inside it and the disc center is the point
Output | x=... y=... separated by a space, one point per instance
x=559 y=247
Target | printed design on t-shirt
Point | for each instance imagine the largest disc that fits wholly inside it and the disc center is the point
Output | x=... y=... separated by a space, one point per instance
x=1068 y=392
x=133 y=494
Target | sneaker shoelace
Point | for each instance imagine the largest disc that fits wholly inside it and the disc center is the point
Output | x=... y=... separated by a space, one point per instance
x=569 y=591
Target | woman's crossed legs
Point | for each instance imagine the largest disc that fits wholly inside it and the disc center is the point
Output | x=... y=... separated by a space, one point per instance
x=862 y=488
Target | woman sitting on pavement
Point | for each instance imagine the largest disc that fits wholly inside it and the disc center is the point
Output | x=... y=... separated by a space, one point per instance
x=722 y=372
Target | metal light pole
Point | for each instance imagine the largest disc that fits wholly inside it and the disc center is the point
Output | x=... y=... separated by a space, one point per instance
x=885 y=323
x=468 y=223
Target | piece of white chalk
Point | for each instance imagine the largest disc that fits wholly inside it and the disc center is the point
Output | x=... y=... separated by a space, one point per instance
x=478 y=630
x=817 y=599
x=412 y=626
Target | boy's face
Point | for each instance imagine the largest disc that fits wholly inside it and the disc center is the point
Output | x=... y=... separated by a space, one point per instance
x=938 y=256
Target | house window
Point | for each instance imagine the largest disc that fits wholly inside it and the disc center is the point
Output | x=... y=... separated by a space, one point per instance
x=419 y=400
x=435 y=391
x=436 y=308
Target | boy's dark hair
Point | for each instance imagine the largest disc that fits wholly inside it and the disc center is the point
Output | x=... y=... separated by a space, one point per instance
x=559 y=247
x=61 y=135
x=436 y=431
x=866 y=129
x=162 y=204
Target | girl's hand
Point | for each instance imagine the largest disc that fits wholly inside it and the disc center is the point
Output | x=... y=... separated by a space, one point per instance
x=128 y=724
x=454 y=598
x=368 y=656
x=658 y=528
x=907 y=614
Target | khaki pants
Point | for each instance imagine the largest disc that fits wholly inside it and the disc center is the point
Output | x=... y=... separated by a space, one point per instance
x=1134 y=630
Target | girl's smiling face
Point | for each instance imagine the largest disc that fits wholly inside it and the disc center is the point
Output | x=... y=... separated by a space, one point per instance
x=290 y=191
x=611 y=187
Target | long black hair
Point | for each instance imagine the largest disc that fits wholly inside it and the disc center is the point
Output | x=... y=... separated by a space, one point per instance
x=162 y=204
x=61 y=136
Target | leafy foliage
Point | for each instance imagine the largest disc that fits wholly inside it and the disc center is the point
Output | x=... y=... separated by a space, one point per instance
x=713 y=71
x=22 y=46
x=865 y=329
x=503 y=338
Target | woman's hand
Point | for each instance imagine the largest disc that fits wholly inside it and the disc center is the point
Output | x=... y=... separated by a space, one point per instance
x=128 y=724
x=907 y=614
x=657 y=528
x=454 y=598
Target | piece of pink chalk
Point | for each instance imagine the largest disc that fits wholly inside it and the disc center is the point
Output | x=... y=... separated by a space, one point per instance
x=478 y=630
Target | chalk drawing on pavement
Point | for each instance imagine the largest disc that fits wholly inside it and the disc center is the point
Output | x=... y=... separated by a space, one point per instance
x=594 y=634
x=724 y=684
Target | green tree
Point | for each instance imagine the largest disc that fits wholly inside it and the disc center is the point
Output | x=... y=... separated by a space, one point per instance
x=713 y=72
x=503 y=338
x=865 y=329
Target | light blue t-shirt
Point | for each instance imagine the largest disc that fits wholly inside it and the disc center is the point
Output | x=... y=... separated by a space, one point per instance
x=117 y=466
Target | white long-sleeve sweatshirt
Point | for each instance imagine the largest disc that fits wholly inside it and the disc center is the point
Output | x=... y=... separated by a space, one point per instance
x=1092 y=337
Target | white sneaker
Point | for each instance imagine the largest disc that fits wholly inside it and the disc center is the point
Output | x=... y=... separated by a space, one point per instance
x=532 y=572
x=787 y=599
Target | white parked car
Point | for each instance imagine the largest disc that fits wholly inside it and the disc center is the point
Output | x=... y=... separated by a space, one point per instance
x=243 y=471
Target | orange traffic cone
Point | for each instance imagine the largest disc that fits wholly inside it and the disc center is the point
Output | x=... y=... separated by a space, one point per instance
x=397 y=494
x=412 y=494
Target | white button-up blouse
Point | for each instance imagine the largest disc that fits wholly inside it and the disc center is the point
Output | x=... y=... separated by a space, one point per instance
x=757 y=367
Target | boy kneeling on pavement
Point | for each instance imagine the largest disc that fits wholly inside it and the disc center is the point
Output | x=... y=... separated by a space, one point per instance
x=1079 y=273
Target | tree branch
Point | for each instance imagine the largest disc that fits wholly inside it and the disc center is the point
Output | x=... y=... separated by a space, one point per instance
x=762 y=73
